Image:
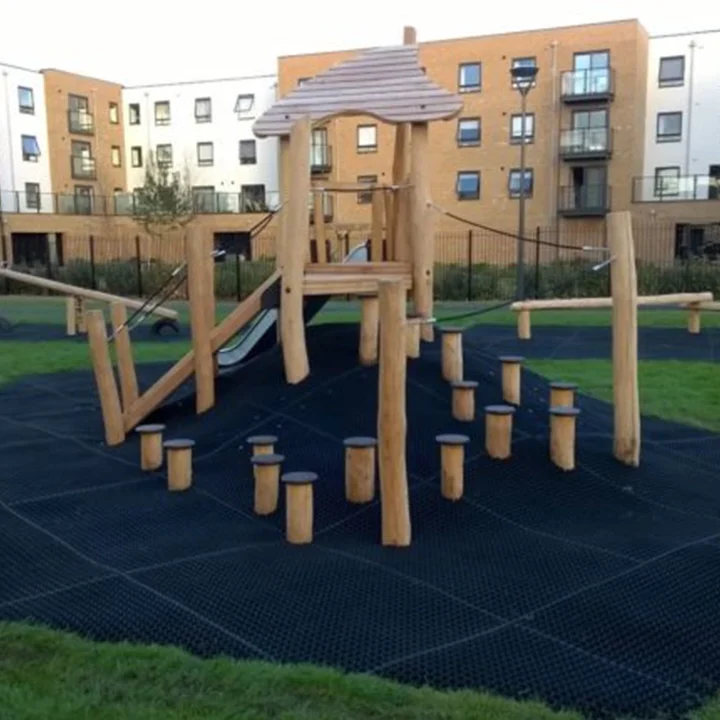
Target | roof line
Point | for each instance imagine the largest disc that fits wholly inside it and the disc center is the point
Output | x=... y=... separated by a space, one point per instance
x=80 y=75
x=683 y=34
x=18 y=67
x=199 y=82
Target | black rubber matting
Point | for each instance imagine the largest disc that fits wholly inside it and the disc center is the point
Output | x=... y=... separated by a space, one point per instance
x=595 y=589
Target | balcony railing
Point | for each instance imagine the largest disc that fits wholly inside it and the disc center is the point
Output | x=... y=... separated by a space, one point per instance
x=328 y=208
x=675 y=189
x=320 y=159
x=81 y=122
x=584 y=200
x=586 y=144
x=587 y=85
x=83 y=167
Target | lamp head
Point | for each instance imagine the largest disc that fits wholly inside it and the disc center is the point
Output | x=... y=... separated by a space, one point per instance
x=524 y=77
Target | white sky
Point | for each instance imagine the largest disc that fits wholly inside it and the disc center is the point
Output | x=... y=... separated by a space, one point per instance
x=138 y=42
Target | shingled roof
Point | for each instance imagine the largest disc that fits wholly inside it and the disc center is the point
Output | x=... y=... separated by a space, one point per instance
x=387 y=83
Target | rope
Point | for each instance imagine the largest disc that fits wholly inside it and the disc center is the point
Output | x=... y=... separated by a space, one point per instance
x=482 y=311
x=360 y=188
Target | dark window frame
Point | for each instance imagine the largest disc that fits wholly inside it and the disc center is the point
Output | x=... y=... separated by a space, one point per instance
x=29 y=157
x=244 y=114
x=668 y=138
x=83 y=106
x=469 y=143
x=248 y=160
x=602 y=51
x=203 y=118
x=134 y=114
x=114 y=106
x=139 y=154
x=656 y=182
x=205 y=163
x=26 y=109
x=364 y=149
x=466 y=196
x=516 y=139
x=162 y=122
x=516 y=195
x=163 y=163
x=119 y=156
x=673 y=82
x=364 y=197
x=35 y=205
x=470 y=88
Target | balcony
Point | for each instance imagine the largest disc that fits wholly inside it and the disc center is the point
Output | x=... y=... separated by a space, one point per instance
x=82 y=167
x=320 y=159
x=676 y=188
x=81 y=122
x=584 y=201
x=578 y=86
x=586 y=144
x=328 y=208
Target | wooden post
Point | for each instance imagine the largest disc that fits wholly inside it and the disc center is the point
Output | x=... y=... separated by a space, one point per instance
x=105 y=379
x=299 y=507
x=463 y=400
x=199 y=325
x=378 y=219
x=151 y=446
x=412 y=336
x=262 y=444
x=296 y=239
x=209 y=262
x=266 y=469
x=562 y=394
x=70 y=319
x=452 y=354
x=392 y=421
x=625 y=342
x=283 y=231
x=369 y=328
x=452 y=463
x=498 y=431
x=319 y=220
x=562 y=436
x=123 y=352
x=511 y=367
x=390 y=223
x=694 y=318
x=524 y=331
x=360 y=469
x=179 y=462
x=80 y=312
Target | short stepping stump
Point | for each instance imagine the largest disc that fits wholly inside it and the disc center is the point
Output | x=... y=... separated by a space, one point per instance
x=299 y=506
x=452 y=465
x=562 y=394
x=498 y=431
x=179 y=463
x=452 y=354
x=511 y=366
x=151 y=446
x=463 y=400
x=360 y=469
x=266 y=469
x=562 y=436
x=262 y=444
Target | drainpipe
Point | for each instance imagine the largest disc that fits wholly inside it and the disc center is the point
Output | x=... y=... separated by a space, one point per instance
x=554 y=138
x=8 y=115
x=688 y=142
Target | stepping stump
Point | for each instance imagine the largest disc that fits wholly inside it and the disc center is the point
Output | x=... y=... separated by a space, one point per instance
x=360 y=469
x=498 y=431
x=452 y=465
x=562 y=394
x=299 y=507
x=262 y=444
x=562 y=436
x=266 y=469
x=452 y=354
x=151 y=446
x=511 y=366
x=463 y=400
x=179 y=462
x=412 y=335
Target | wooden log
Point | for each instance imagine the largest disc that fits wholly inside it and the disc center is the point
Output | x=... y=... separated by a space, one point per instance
x=200 y=327
x=401 y=205
x=607 y=302
x=124 y=354
x=524 y=331
x=511 y=376
x=105 y=379
x=369 y=330
x=562 y=394
x=319 y=221
x=463 y=400
x=266 y=469
x=299 y=507
x=623 y=282
x=81 y=315
x=376 y=225
x=179 y=463
x=360 y=469
x=390 y=224
x=283 y=229
x=392 y=420
x=562 y=436
x=70 y=319
x=498 y=431
x=151 y=446
x=694 y=319
x=412 y=336
x=262 y=444
x=452 y=465
x=452 y=354
x=297 y=235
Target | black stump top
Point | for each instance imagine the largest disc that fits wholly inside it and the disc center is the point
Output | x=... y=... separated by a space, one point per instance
x=269 y=459
x=262 y=440
x=560 y=385
x=179 y=444
x=302 y=477
x=564 y=411
x=511 y=358
x=452 y=329
x=360 y=442
x=499 y=409
x=465 y=384
x=147 y=429
x=451 y=439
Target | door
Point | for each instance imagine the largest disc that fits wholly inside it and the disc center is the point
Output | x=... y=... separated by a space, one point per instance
x=590 y=130
x=83 y=199
x=590 y=187
x=591 y=73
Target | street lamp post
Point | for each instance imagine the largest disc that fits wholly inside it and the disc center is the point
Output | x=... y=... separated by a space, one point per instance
x=523 y=78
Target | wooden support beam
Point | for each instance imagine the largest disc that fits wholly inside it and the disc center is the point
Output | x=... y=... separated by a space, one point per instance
x=70 y=320
x=123 y=353
x=297 y=237
x=80 y=310
x=319 y=218
x=369 y=326
x=105 y=378
x=607 y=302
x=282 y=239
x=623 y=281
x=390 y=223
x=378 y=219
x=694 y=318
x=392 y=420
x=401 y=205
x=524 y=328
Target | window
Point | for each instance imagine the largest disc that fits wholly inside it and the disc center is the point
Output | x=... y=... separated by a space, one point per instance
x=203 y=110
x=253 y=198
x=26 y=100
x=79 y=103
x=115 y=156
x=669 y=127
x=364 y=197
x=468 y=185
x=514 y=183
x=248 y=152
x=32 y=195
x=366 y=138
x=587 y=119
x=244 y=104
x=162 y=113
x=114 y=113
x=667 y=181
x=203 y=199
x=164 y=155
x=84 y=195
x=516 y=128
x=205 y=154
x=30 y=148
x=672 y=71
x=470 y=77
x=468 y=132
x=134 y=113
x=136 y=159
x=590 y=61
x=524 y=62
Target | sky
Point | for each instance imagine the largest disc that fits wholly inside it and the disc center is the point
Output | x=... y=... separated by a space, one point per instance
x=138 y=42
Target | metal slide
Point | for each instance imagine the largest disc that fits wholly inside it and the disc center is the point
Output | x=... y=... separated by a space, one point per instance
x=260 y=334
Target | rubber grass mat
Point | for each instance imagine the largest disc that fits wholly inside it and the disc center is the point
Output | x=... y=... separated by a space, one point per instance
x=595 y=590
